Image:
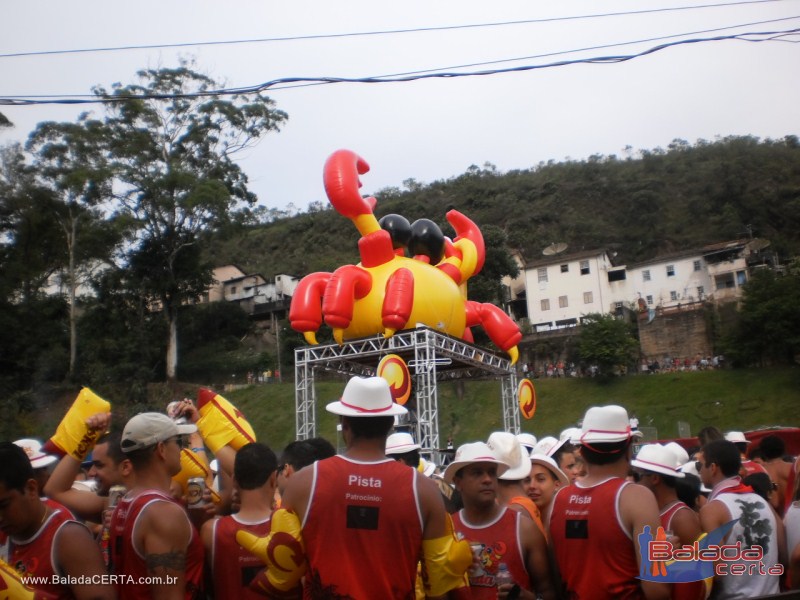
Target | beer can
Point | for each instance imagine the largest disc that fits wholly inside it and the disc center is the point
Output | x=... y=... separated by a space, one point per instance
x=115 y=492
x=195 y=488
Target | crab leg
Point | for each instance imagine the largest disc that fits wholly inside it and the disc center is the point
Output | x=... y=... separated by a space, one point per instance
x=305 y=313
x=397 y=301
x=501 y=329
x=347 y=284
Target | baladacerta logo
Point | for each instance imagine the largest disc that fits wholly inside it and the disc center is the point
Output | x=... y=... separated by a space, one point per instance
x=706 y=557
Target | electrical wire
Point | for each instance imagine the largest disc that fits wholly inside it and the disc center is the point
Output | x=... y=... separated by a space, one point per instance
x=383 y=32
x=759 y=36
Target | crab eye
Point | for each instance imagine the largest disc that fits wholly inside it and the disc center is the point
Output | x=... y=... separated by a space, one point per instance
x=427 y=239
x=399 y=229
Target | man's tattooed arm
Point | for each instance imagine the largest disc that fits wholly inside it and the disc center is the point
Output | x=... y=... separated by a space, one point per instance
x=169 y=561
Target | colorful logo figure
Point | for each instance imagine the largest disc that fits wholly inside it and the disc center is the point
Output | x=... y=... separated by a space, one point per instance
x=389 y=291
x=394 y=370
x=526 y=396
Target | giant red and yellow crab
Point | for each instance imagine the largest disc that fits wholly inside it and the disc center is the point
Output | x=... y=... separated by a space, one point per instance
x=388 y=291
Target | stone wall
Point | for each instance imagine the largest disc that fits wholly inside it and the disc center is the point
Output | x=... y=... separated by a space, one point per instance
x=679 y=332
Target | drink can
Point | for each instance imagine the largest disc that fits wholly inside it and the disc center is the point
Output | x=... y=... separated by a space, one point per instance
x=115 y=492
x=195 y=488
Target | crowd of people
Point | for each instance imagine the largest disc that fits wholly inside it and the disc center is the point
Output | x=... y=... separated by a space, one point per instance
x=142 y=511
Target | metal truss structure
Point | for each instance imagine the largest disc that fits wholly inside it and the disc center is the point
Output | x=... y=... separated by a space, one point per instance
x=431 y=357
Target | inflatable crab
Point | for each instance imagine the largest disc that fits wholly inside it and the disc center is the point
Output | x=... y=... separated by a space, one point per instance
x=388 y=291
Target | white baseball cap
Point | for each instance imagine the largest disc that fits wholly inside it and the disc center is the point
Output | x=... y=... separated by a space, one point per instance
x=366 y=397
x=510 y=450
x=400 y=443
x=149 y=428
x=737 y=437
x=475 y=452
x=33 y=448
x=657 y=459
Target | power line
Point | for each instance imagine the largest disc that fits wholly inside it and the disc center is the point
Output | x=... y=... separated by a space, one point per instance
x=761 y=36
x=384 y=32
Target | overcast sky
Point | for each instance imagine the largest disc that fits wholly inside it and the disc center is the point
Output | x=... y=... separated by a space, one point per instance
x=432 y=129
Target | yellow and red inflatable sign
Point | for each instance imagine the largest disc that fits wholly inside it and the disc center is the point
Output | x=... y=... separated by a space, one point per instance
x=526 y=395
x=394 y=370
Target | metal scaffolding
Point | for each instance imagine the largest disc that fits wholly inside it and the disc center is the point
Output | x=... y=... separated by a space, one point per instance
x=431 y=357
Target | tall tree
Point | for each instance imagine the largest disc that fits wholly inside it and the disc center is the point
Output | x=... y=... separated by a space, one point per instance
x=607 y=343
x=172 y=150
x=70 y=162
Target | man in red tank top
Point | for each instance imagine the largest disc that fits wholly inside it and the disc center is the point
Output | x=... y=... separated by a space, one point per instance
x=231 y=567
x=155 y=549
x=367 y=520
x=595 y=523
x=497 y=534
x=42 y=542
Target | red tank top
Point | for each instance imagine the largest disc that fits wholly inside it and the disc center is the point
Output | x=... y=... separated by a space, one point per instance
x=34 y=557
x=500 y=543
x=126 y=560
x=597 y=558
x=669 y=512
x=233 y=567
x=362 y=530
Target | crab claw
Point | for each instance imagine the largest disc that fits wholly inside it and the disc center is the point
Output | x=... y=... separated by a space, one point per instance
x=466 y=229
x=310 y=337
x=338 y=335
x=340 y=176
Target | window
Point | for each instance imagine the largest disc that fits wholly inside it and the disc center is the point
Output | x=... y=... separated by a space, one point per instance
x=587 y=298
x=741 y=277
x=565 y=268
x=584 y=267
x=670 y=270
x=563 y=302
x=542 y=274
x=646 y=275
x=233 y=289
x=701 y=292
x=673 y=295
x=697 y=265
x=545 y=304
x=649 y=300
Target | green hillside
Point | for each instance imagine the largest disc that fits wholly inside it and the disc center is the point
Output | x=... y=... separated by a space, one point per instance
x=745 y=399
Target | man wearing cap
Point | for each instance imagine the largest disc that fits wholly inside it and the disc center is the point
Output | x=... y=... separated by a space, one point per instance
x=655 y=467
x=738 y=439
x=719 y=464
x=496 y=533
x=365 y=520
x=40 y=461
x=595 y=523
x=39 y=541
x=151 y=535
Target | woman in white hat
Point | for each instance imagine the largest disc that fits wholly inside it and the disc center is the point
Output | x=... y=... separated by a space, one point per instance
x=546 y=479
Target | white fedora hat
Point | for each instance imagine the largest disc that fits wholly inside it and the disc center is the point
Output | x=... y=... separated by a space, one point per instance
x=510 y=450
x=657 y=459
x=33 y=448
x=681 y=455
x=400 y=443
x=366 y=397
x=475 y=452
x=544 y=445
x=528 y=440
x=550 y=464
x=426 y=467
x=605 y=424
x=737 y=437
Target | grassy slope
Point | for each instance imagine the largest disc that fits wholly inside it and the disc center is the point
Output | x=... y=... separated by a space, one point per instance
x=745 y=399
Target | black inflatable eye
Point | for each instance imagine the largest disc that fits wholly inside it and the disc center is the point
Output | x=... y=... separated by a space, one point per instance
x=399 y=230
x=427 y=239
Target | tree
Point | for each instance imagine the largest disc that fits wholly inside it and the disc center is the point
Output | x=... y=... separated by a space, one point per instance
x=172 y=153
x=69 y=161
x=607 y=343
x=768 y=330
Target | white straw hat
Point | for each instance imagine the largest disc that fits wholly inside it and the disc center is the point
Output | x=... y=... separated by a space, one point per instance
x=737 y=437
x=681 y=455
x=691 y=468
x=400 y=443
x=544 y=445
x=605 y=424
x=508 y=449
x=550 y=464
x=366 y=397
x=475 y=452
x=528 y=440
x=657 y=459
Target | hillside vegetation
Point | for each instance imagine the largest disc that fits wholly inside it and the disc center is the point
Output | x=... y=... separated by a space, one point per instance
x=642 y=205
